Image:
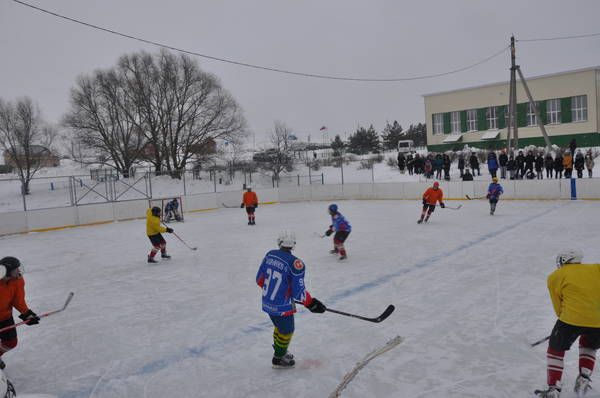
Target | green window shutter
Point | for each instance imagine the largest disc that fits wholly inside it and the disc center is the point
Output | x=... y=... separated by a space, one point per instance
x=481 y=119
x=522 y=114
x=463 y=121
x=500 y=113
x=447 y=123
x=543 y=112
x=565 y=110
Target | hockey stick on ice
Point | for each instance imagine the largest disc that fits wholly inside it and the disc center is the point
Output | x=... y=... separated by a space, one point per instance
x=388 y=311
x=477 y=197
x=182 y=241
x=452 y=208
x=540 y=341
x=45 y=314
x=319 y=235
x=228 y=207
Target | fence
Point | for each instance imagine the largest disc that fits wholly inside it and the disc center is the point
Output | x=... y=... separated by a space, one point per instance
x=85 y=214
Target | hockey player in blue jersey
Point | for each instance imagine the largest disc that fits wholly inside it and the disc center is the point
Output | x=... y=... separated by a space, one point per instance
x=281 y=277
x=172 y=210
x=493 y=194
x=342 y=229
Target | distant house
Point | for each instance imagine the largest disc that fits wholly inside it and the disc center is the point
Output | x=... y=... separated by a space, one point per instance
x=40 y=155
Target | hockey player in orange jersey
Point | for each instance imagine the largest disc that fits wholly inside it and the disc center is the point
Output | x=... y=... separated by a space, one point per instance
x=430 y=198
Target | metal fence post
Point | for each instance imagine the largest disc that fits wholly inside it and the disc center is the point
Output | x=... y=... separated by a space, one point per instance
x=184 y=187
x=342 y=168
x=298 y=179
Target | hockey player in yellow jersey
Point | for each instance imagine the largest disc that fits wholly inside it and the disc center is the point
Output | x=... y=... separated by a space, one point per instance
x=575 y=292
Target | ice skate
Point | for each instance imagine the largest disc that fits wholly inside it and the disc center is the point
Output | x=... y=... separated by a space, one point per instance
x=2 y=364
x=285 y=362
x=333 y=251
x=343 y=257
x=152 y=260
x=551 y=392
x=165 y=256
x=582 y=385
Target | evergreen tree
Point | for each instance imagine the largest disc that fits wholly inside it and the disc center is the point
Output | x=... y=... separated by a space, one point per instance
x=337 y=145
x=364 y=141
x=391 y=134
x=416 y=133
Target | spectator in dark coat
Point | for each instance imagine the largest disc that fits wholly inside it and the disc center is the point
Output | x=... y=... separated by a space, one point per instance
x=589 y=162
x=446 y=165
x=461 y=164
x=419 y=164
x=579 y=163
x=558 y=165
x=474 y=163
x=492 y=163
x=529 y=162
x=401 y=162
x=549 y=164
x=520 y=161
x=539 y=166
x=428 y=167
x=503 y=160
x=573 y=146
x=410 y=163
x=438 y=164
x=511 y=166
x=467 y=176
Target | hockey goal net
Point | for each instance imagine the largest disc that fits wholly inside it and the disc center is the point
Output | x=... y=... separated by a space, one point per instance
x=171 y=208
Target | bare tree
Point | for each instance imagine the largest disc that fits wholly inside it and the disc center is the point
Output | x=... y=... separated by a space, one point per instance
x=104 y=118
x=25 y=138
x=278 y=157
x=181 y=107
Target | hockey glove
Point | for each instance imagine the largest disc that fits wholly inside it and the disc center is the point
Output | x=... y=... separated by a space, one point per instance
x=170 y=230
x=424 y=202
x=316 y=306
x=242 y=206
x=328 y=232
x=442 y=205
x=256 y=205
x=30 y=317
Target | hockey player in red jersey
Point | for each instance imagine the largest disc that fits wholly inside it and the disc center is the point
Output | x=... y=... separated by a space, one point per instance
x=431 y=196
x=12 y=295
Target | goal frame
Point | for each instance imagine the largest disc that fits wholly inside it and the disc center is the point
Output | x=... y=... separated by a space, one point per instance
x=162 y=202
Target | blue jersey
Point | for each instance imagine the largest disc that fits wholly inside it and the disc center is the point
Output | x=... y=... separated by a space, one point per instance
x=495 y=190
x=281 y=276
x=339 y=223
x=172 y=205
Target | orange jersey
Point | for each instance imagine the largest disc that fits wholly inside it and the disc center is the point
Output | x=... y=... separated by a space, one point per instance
x=250 y=199
x=432 y=196
x=12 y=295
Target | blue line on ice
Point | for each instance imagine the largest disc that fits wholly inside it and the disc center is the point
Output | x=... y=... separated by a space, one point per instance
x=196 y=352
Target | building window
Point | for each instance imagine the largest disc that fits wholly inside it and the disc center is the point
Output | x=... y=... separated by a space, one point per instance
x=472 y=120
x=579 y=108
x=492 y=119
x=438 y=123
x=455 y=122
x=531 y=118
x=553 y=111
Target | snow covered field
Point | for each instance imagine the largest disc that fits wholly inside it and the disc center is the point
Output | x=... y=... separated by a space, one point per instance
x=469 y=290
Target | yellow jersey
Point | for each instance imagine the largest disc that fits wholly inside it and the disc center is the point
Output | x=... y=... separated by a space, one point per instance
x=575 y=293
x=153 y=226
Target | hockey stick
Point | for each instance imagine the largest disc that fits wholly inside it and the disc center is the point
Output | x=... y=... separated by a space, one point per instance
x=477 y=197
x=319 y=235
x=45 y=314
x=182 y=241
x=540 y=341
x=229 y=207
x=388 y=311
x=452 y=208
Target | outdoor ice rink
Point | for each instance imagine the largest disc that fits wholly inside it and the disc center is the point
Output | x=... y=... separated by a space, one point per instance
x=469 y=290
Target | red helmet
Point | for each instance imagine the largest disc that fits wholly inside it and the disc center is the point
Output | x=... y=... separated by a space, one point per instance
x=436 y=184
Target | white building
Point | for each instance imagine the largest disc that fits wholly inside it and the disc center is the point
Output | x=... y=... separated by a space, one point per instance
x=569 y=105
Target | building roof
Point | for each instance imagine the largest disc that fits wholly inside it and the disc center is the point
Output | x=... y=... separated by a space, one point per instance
x=506 y=82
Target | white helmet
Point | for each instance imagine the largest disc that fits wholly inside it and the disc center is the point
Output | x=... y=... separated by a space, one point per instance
x=572 y=256
x=286 y=239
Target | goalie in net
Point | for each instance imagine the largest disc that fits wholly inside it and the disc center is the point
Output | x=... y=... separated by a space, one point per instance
x=172 y=211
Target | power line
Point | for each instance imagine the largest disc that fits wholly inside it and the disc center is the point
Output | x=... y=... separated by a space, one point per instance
x=561 y=37
x=261 y=67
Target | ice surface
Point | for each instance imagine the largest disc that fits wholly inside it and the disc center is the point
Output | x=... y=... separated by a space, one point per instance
x=469 y=290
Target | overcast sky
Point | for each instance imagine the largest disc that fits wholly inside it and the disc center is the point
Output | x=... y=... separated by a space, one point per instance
x=41 y=55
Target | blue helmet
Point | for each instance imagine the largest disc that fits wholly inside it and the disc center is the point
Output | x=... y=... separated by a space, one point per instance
x=333 y=208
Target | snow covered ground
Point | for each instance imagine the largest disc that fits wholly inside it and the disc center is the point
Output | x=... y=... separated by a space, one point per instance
x=469 y=290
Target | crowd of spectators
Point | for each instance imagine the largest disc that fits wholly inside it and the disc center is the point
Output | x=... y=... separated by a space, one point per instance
x=531 y=164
